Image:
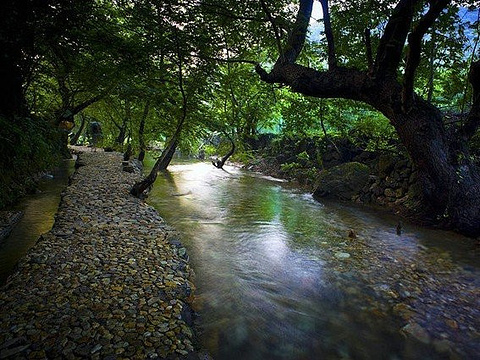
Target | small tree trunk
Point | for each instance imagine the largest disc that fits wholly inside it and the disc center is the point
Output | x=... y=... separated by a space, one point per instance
x=141 y=130
x=219 y=163
x=167 y=154
x=74 y=139
x=120 y=140
x=128 y=152
x=160 y=165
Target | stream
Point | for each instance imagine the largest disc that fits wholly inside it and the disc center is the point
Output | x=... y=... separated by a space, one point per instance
x=38 y=216
x=278 y=277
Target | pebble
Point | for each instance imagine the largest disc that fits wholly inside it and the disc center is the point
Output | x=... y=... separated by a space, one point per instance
x=89 y=287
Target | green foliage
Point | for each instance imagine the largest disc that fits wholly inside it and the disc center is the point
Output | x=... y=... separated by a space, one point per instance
x=28 y=146
x=289 y=168
x=303 y=156
x=165 y=55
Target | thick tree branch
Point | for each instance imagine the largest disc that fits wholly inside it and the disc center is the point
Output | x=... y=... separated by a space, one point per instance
x=332 y=59
x=391 y=45
x=298 y=34
x=68 y=113
x=336 y=83
x=415 y=49
x=86 y=104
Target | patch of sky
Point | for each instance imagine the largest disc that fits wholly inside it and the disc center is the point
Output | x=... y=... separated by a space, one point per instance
x=315 y=29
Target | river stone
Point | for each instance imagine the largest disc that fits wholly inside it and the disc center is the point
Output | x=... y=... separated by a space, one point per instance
x=342 y=255
x=417 y=332
x=342 y=181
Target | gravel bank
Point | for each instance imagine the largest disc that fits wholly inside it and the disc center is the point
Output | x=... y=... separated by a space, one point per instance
x=109 y=281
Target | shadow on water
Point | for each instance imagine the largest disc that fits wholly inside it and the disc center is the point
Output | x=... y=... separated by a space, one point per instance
x=39 y=210
x=278 y=278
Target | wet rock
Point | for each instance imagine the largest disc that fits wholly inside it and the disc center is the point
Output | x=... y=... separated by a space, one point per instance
x=342 y=255
x=417 y=332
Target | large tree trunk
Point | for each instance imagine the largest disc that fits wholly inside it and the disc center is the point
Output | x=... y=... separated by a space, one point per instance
x=451 y=181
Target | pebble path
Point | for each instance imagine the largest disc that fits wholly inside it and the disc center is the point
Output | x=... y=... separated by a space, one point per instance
x=109 y=281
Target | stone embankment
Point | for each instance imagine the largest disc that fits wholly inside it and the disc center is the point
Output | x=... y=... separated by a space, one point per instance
x=109 y=281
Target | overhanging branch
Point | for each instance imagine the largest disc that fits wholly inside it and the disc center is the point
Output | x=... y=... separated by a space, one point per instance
x=229 y=60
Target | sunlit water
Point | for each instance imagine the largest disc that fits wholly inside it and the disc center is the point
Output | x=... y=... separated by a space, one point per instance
x=39 y=210
x=277 y=276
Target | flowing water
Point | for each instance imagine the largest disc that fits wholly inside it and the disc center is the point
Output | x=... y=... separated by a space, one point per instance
x=38 y=216
x=278 y=277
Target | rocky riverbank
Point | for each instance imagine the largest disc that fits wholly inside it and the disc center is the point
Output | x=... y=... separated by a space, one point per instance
x=109 y=281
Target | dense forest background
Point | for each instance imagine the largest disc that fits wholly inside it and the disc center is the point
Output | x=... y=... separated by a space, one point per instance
x=196 y=76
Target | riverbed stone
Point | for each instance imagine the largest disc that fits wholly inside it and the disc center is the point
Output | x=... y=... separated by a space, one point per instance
x=417 y=332
x=90 y=286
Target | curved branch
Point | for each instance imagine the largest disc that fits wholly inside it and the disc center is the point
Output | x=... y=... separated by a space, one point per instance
x=391 y=45
x=219 y=163
x=229 y=60
x=415 y=49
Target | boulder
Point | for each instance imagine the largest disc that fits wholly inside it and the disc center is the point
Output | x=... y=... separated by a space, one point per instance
x=342 y=181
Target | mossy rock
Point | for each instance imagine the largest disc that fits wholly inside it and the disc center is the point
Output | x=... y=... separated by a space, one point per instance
x=342 y=181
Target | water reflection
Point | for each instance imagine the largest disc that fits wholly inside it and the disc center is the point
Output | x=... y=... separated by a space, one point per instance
x=39 y=210
x=277 y=276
